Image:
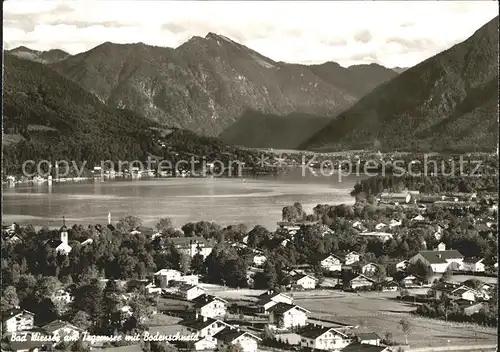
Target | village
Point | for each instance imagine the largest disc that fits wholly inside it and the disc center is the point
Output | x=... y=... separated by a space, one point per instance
x=263 y=312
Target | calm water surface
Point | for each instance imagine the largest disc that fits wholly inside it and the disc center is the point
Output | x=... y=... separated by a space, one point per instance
x=223 y=200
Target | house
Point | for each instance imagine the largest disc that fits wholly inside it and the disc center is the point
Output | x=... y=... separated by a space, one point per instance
x=151 y=288
x=304 y=281
x=190 y=292
x=61 y=246
x=190 y=279
x=63 y=329
x=360 y=281
x=358 y=225
x=332 y=263
x=363 y=347
x=164 y=276
x=472 y=308
x=259 y=259
x=192 y=246
x=61 y=296
x=323 y=338
x=351 y=258
x=235 y=336
x=286 y=316
x=208 y=343
x=382 y=236
x=369 y=338
x=29 y=346
x=410 y=281
x=389 y=286
x=439 y=260
x=467 y=293
x=210 y=306
x=17 y=319
x=403 y=265
x=472 y=264
x=369 y=269
x=395 y=223
x=418 y=218
x=271 y=298
x=205 y=327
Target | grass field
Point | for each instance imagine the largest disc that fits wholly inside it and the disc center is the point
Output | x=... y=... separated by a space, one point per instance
x=380 y=313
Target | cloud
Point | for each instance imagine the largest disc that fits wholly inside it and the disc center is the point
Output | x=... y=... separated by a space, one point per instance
x=390 y=33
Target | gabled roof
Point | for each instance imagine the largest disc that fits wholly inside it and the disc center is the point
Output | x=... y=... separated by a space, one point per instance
x=332 y=255
x=282 y=308
x=186 y=287
x=200 y=324
x=58 y=324
x=203 y=300
x=361 y=276
x=298 y=277
x=363 y=336
x=439 y=257
x=268 y=297
x=316 y=331
x=359 y=347
x=13 y=312
x=230 y=334
x=473 y=260
x=186 y=241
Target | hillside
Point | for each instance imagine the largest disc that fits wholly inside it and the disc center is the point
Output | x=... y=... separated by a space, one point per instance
x=207 y=84
x=48 y=56
x=59 y=120
x=48 y=117
x=447 y=102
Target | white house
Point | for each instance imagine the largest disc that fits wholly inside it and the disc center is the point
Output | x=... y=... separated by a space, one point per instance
x=63 y=329
x=193 y=246
x=259 y=259
x=380 y=226
x=473 y=264
x=305 y=281
x=151 y=288
x=190 y=279
x=210 y=306
x=271 y=298
x=190 y=292
x=323 y=338
x=439 y=260
x=205 y=327
x=235 y=336
x=17 y=319
x=208 y=343
x=164 y=276
x=332 y=263
x=395 y=223
x=360 y=281
x=403 y=265
x=383 y=236
x=61 y=296
x=464 y=292
x=418 y=218
x=369 y=269
x=351 y=258
x=286 y=316
x=368 y=338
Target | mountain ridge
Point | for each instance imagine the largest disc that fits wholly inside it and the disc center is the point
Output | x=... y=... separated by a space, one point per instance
x=413 y=110
x=205 y=84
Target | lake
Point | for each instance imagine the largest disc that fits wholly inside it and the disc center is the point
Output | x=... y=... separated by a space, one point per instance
x=226 y=201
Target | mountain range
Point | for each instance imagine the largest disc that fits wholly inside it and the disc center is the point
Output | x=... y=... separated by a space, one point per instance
x=447 y=102
x=207 y=84
x=216 y=87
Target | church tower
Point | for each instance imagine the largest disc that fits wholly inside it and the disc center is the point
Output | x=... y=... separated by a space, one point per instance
x=64 y=232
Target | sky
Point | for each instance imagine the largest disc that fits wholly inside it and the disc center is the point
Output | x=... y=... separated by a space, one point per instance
x=392 y=33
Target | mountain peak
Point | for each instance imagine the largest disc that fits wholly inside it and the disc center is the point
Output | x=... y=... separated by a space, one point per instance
x=215 y=36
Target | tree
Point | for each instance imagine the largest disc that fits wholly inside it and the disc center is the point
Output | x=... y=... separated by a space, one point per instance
x=128 y=223
x=235 y=348
x=185 y=263
x=164 y=225
x=197 y=263
x=81 y=319
x=9 y=298
x=406 y=328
